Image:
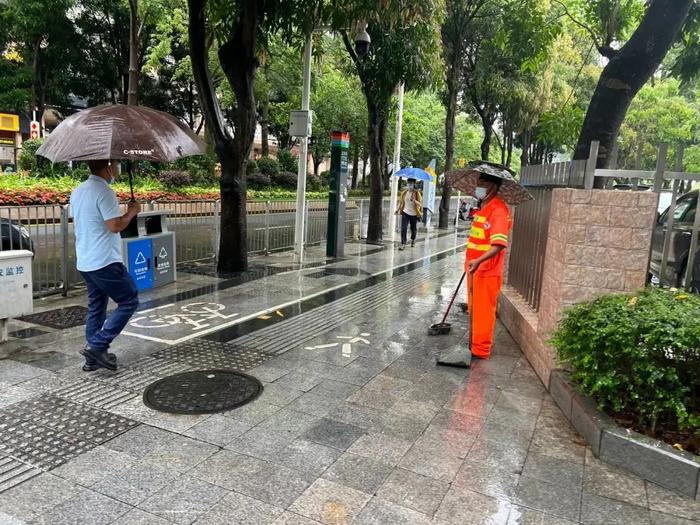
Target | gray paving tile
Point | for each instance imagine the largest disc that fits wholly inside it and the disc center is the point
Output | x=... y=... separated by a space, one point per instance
x=7 y=519
x=358 y=472
x=279 y=395
x=230 y=470
x=333 y=434
x=437 y=466
x=218 y=430
x=463 y=506
x=290 y=421
x=253 y=413
x=268 y=372
x=11 y=394
x=86 y=508
x=136 y=410
x=184 y=500
x=240 y=509
x=329 y=502
x=314 y=404
x=659 y=518
x=88 y=468
x=330 y=388
x=459 y=421
x=663 y=500
x=36 y=496
x=290 y=518
x=596 y=510
x=182 y=453
x=413 y=491
x=489 y=480
x=262 y=443
x=141 y=441
x=608 y=481
x=308 y=458
x=381 y=447
x=499 y=454
x=380 y=512
x=299 y=381
x=446 y=441
x=139 y=517
x=563 y=501
x=13 y=372
x=553 y=470
x=134 y=483
x=570 y=449
x=524 y=516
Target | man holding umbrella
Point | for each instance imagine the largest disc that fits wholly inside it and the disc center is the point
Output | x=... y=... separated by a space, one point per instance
x=495 y=188
x=120 y=133
x=98 y=223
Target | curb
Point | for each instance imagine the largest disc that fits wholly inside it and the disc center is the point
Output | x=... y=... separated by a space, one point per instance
x=648 y=458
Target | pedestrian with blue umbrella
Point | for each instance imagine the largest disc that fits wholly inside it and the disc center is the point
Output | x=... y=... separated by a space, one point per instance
x=410 y=206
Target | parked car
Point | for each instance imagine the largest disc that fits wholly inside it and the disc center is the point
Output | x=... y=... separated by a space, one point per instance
x=683 y=218
x=14 y=236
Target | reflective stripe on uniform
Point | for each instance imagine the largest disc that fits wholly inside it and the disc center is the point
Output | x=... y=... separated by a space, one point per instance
x=479 y=247
x=499 y=237
x=479 y=219
x=477 y=233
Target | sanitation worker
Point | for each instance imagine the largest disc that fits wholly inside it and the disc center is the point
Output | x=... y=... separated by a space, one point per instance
x=485 y=257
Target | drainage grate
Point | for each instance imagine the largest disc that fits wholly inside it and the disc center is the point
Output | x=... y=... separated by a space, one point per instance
x=13 y=472
x=202 y=392
x=72 y=419
x=60 y=318
x=202 y=353
x=26 y=333
x=254 y=272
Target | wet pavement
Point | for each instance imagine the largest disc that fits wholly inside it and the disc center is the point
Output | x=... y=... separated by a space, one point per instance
x=356 y=424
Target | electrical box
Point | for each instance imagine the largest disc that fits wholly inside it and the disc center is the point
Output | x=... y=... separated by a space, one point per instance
x=337 y=196
x=15 y=286
x=300 y=123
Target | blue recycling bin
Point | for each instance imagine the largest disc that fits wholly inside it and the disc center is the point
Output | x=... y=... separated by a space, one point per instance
x=148 y=249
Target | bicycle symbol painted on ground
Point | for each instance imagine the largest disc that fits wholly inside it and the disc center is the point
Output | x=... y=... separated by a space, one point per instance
x=196 y=315
x=346 y=347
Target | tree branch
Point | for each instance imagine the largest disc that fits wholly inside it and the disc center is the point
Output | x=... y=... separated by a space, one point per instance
x=581 y=25
x=350 y=49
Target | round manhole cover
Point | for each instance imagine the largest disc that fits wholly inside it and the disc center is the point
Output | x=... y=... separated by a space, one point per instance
x=202 y=392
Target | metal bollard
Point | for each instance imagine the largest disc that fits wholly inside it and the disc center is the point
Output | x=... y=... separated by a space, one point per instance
x=64 y=250
x=362 y=212
x=217 y=228
x=306 y=223
x=266 y=246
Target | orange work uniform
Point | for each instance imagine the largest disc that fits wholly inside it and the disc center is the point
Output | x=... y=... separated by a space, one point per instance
x=490 y=227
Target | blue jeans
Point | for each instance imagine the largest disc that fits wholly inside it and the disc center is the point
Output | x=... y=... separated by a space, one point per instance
x=112 y=281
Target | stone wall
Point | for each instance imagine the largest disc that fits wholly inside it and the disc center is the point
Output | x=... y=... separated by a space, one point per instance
x=598 y=242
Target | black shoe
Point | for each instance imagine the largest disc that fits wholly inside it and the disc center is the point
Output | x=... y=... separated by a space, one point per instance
x=99 y=359
x=402 y=247
x=413 y=243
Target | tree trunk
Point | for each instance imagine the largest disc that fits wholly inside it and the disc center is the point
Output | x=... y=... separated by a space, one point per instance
x=365 y=162
x=525 y=153
x=132 y=97
x=486 y=142
x=509 y=148
x=450 y=119
x=238 y=61
x=628 y=70
x=355 y=166
x=317 y=164
x=376 y=133
x=264 y=127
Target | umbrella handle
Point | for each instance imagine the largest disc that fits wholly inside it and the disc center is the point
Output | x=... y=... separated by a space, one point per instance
x=131 y=180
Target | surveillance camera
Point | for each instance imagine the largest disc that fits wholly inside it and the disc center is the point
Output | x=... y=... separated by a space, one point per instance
x=362 y=42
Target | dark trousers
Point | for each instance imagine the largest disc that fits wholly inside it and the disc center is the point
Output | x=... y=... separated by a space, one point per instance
x=112 y=281
x=405 y=221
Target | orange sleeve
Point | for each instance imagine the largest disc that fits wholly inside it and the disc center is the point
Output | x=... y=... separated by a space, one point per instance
x=500 y=226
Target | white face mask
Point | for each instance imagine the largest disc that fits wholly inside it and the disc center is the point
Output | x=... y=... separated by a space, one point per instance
x=410 y=186
x=480 y=193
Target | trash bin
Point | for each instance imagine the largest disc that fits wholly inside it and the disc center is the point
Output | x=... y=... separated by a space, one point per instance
x=15 y=286
x=148 y=249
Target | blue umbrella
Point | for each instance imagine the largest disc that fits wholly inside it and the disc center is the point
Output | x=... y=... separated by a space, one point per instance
x=414 y=173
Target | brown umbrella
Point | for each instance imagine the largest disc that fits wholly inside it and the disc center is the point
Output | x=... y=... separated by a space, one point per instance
x=122 y=133
x=467 y=179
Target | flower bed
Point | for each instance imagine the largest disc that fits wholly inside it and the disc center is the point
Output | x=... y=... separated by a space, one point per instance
x=638 y=357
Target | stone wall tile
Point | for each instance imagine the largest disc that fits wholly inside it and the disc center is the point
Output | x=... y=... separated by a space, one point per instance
x=589 y=215
x=626 y=218
x=647 y=199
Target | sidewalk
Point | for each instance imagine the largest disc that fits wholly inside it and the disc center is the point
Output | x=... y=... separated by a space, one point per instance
x=373 y=433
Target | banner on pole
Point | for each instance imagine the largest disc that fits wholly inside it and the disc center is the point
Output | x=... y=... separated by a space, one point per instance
x=429 y=201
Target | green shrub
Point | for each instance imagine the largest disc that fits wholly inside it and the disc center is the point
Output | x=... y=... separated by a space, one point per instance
x=637 y=355
x=325 y=177
x=313 y=183
x=199 y=167
x=286 y=180
x=269 y=166
x=251 y=167
x=38 y=166
x=258 y=181
x=287 y=161
x=174 y=178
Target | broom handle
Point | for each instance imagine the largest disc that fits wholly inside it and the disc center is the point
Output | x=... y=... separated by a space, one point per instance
x=454 y=296
x=470 y=306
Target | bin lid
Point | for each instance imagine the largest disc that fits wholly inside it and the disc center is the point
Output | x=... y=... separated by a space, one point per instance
x=155 y=212
x=15 y=254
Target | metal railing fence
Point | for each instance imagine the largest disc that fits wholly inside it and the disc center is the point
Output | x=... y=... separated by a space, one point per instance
x=270 y=227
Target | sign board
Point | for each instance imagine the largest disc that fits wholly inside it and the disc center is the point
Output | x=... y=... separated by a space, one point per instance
x=9 y=122
x=300 y=123
x=5 y=141
x=139 y=255
x=429 y=200
x=34 y=130
x=7 y=154
x=335 y=244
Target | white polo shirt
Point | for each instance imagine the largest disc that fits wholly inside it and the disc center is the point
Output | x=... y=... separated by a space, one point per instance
x=91 y=204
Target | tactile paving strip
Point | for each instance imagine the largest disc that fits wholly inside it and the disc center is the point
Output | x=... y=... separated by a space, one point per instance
x=350 y=272
x=38 y=445
x=75 y=420
x=97 y=394
x=202 y=353
x=13 y=472
x=60 y=318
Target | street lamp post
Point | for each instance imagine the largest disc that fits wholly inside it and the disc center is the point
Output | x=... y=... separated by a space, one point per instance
x=397 y=159
x=299 y=222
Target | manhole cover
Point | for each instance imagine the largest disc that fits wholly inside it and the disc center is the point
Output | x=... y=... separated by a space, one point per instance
x=202 y=392
x=60 y=318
